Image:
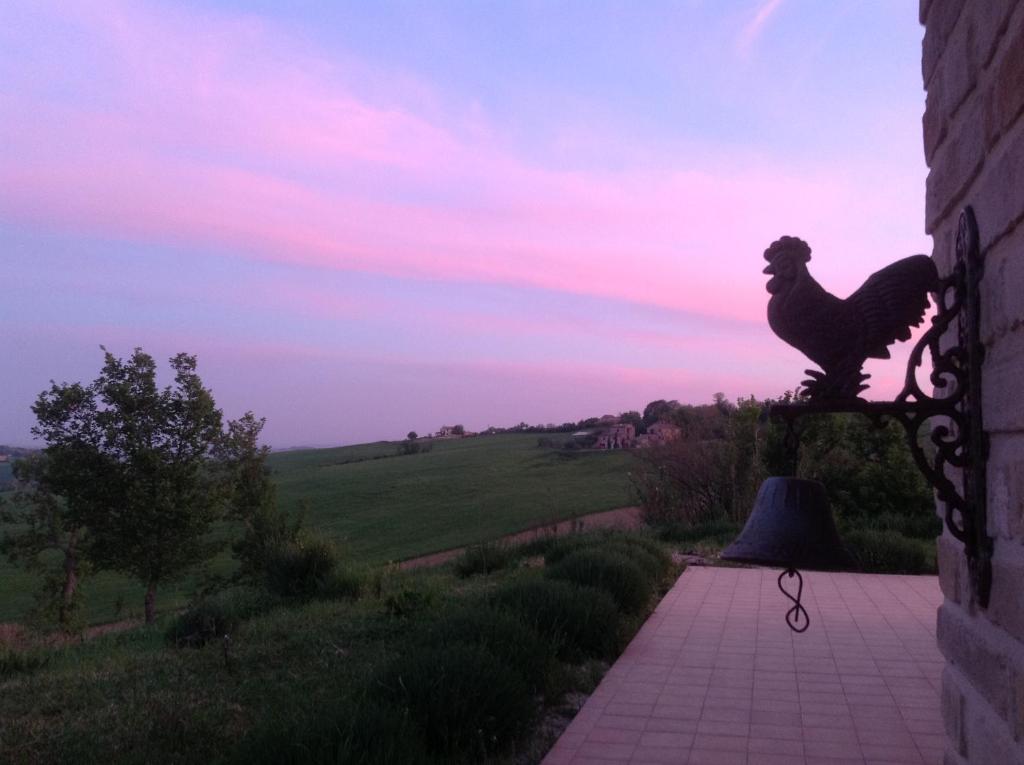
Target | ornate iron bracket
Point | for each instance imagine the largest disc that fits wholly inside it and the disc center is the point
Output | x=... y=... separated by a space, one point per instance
x=956 y=470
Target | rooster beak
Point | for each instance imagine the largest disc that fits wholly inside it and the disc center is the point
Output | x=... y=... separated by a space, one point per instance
x=769 y=269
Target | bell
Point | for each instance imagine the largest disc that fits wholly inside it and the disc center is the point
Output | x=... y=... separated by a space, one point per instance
x=790 y=526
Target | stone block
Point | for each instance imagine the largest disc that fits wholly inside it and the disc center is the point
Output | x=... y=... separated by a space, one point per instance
x=971 y=46
x=1004 y=95
x=944 y=244
x=953 y=713
x=1001 y=384
x=1005 y=488
x=967 y=644
x=955 y=165
x=952 y=567
x=942 y=18
x=998 y=195
x=923 y=8
x=934 y=125
x=988 y=739
x=1006 y=605
x=1002 y=286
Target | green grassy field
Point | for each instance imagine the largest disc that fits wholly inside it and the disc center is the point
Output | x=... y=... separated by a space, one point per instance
x=461 y=492
x=294 y=671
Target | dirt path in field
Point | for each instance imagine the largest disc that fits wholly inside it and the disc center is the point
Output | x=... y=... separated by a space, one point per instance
x=621 y=518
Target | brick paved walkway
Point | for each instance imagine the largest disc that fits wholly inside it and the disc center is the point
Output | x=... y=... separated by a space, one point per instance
x=715 y=676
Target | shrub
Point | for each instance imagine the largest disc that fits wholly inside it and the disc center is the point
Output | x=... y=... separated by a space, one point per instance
x=14 y=662
x=645 y=553
x=583 y=622
x=888 y=552
x=301 y=569
x=501 y=633
x=409 y=601
x=364 y=733
x=216 y=615
x=654 y=566
x=560 y=547
x=716 y=533
x=483 y=559
x=612 y=571
x=464 y=700
x=342 y=584
x=922 y=525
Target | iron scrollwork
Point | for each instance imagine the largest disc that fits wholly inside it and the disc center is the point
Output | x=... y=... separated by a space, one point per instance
x=955 y=465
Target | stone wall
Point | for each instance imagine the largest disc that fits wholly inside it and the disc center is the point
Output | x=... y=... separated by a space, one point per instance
x=973 y=69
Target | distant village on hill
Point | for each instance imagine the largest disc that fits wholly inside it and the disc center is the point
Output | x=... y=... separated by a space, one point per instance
x=660 y=423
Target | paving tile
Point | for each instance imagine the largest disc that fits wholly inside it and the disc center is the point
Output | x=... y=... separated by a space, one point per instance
x=715 y=757
x=760 y=746
x=656 y=755
x=715 y=676
x=601 y=749
x=671 y=725
x=614 y=736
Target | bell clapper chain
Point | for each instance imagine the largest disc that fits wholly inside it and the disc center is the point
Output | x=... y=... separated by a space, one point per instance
x=793 y=614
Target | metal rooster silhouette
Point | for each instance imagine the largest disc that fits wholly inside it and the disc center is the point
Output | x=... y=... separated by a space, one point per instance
x=840 y=335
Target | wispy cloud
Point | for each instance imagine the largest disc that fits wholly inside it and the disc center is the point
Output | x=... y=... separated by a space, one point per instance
x=239 y=138
x=755 y=26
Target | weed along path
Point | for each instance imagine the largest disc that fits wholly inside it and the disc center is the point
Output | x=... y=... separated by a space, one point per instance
x=620 y=518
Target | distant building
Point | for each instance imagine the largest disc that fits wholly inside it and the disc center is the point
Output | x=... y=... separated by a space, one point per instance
x=659 y=433
x=617 y=436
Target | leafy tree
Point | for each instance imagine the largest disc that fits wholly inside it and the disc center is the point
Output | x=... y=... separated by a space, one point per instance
x=412 y=435
x=458 y=430
x=39 y=523
x=635 y=419
x=867 y=471
x=252 y=497
x=133 y=463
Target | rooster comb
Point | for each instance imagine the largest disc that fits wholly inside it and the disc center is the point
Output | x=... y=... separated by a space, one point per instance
x=792 y=244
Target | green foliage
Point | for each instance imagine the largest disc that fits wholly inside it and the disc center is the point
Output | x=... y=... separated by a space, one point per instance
x=867 y=471
x=483 y=559
x=21 y=662
x=252 y=498
x=650 y=556
x=889 y=552
x=131 y=462
x=364 y=733
x=300 y=682
x=500 y=633
x=468 y=490
x=611 y=571
x=583 y=622
x=409 y=601
x=301 y=569
x=465 y=701
x=412 y=446
x=344 y=583
x=217 y=615
x=701 y=489
x=42 y=537
x=719 y=532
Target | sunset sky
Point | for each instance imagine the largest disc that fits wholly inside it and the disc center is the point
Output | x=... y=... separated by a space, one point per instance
x=371 y=217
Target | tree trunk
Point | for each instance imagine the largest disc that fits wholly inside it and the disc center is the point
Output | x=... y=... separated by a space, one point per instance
x=70 y=579
x=151 y=603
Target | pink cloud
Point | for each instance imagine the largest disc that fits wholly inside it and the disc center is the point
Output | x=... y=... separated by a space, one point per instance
x=227 y=133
